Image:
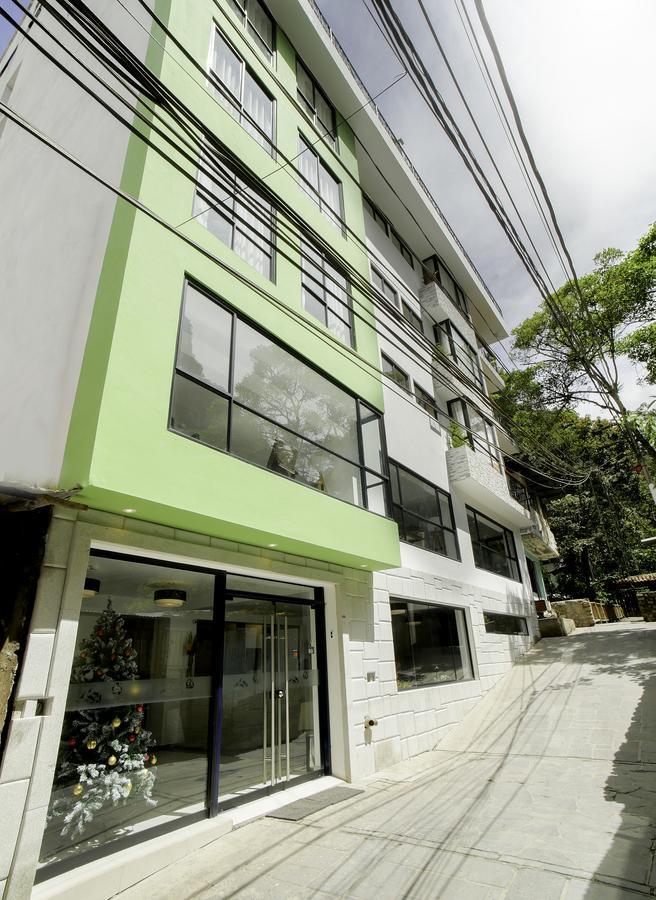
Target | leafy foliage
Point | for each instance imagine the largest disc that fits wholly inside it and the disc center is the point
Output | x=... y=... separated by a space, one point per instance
x=570 y=345
x=598 y=523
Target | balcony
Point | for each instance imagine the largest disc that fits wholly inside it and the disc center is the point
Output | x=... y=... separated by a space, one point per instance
x=482 y=483
x=538 y=538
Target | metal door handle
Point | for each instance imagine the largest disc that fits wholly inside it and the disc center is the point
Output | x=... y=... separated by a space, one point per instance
x=280 y=694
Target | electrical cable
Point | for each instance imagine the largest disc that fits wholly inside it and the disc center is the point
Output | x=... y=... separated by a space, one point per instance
x=547 y=476
x=25 y=125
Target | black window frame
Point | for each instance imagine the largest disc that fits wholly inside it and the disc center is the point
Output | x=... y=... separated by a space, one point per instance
x=399 y=510
x=447 y=328
x=397 y=605
x=393 y=367
x=479 y=444
x=227 y=203
x=370 y=478
x=381 y=219
x=335 y=218
x=309 y=106
x=511 y=556
x=431 y=269
x=426 y=401
x=492 y=619
x=411 y=317
x=242 y=11
x=308 y=284
x=375 y=273
x=238 y=103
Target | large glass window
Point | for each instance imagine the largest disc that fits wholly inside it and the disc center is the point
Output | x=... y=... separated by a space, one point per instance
x=499 y=623
x=494 y=546
x=133 y=751
x=384 y=287
x=470 y=427
x=435 y=270
x=423 y=513
x=390 y=369
x=319 y=183
x=326 y=293
x=426 y=401
x=430 y=644
x=384 y=223
x=258 y=22
x=240 y=218
x=411 y=316
x=236 y=389
x=315 y=104
x=449 y=339
x=242 y=94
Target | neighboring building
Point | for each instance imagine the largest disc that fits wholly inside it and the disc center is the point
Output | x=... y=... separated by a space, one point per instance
x=259 y=544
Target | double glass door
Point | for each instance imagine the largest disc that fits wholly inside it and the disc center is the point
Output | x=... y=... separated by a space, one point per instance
x=270 y=722
x=191 y=690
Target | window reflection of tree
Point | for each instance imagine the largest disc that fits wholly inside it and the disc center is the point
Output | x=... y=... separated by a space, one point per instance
x=295 y=396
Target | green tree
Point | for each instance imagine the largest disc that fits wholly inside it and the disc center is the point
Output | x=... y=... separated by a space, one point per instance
x=599 y=517
x=571 y=344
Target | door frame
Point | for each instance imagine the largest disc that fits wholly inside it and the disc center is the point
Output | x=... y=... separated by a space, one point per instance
x=223 y=594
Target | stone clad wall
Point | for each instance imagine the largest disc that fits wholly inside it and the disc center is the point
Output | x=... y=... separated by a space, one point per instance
x=580 y=611
x=647 y=605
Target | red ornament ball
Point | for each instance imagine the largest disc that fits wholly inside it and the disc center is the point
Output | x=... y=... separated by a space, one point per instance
x=132 y=738
x=146 y=757
x=72 y=742
x=139 y=709
x=100 y=632
x=113 y=657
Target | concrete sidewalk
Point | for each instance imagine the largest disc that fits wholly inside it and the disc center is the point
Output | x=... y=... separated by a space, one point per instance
x=548 y=790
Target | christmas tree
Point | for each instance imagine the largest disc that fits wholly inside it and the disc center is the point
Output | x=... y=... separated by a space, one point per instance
x=108 y=754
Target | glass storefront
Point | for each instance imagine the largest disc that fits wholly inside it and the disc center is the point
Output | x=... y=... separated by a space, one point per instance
x=160 y=650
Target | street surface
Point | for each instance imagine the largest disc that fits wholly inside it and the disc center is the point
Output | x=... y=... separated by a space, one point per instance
x=546 y=792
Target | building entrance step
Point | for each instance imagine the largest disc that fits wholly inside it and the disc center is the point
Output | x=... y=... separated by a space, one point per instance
x=299 y=809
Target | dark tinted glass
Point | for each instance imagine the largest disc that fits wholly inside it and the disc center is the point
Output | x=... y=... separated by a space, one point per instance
x=430 y=644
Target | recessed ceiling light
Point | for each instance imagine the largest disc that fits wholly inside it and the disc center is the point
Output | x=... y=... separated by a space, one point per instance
x=170 y=598
x=363 y=566
x=128 y=509
x=272 y=545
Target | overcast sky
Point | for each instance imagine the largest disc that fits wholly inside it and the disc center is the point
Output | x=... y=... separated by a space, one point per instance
x=582 y=73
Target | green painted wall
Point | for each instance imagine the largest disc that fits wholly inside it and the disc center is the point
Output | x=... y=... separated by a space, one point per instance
x=119 y=446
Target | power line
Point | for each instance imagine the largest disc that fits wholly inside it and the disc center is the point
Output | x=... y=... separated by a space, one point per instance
x=408 y=348
x=24 y=124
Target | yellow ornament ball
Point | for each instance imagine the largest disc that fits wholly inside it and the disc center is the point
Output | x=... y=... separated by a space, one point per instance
x=128 y=788
x=153 y=759
x=91 y=744
x=116 y=722
x=78 y=789
x=112 y=760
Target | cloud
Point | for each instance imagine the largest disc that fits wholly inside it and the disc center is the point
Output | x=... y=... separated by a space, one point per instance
x=582 y=74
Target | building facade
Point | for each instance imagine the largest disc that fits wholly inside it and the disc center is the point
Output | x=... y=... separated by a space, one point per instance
x=249 y=371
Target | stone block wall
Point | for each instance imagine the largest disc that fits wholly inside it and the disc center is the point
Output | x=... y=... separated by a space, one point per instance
x=580 y=611
x=647 y=605
x=413 y=721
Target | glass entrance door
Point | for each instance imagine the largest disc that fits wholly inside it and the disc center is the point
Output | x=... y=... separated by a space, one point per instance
x=270 y=724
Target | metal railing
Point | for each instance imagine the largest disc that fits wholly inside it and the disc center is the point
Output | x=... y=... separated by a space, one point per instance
x=517 y=491
x=383 y=121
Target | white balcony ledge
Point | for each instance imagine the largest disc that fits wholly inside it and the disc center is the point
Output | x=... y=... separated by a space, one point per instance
x=538 y=538
x=493 y=378
x=477 y=481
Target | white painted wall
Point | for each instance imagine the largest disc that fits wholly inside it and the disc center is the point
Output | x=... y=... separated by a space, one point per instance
x=54 y=225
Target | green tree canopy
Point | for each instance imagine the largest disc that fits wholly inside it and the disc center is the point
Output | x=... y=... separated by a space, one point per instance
x=571 y=344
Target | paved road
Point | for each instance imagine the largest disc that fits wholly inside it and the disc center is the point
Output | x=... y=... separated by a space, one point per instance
x=547 y=791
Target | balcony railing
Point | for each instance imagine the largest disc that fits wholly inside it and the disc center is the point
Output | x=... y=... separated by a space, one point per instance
x=518 y=491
